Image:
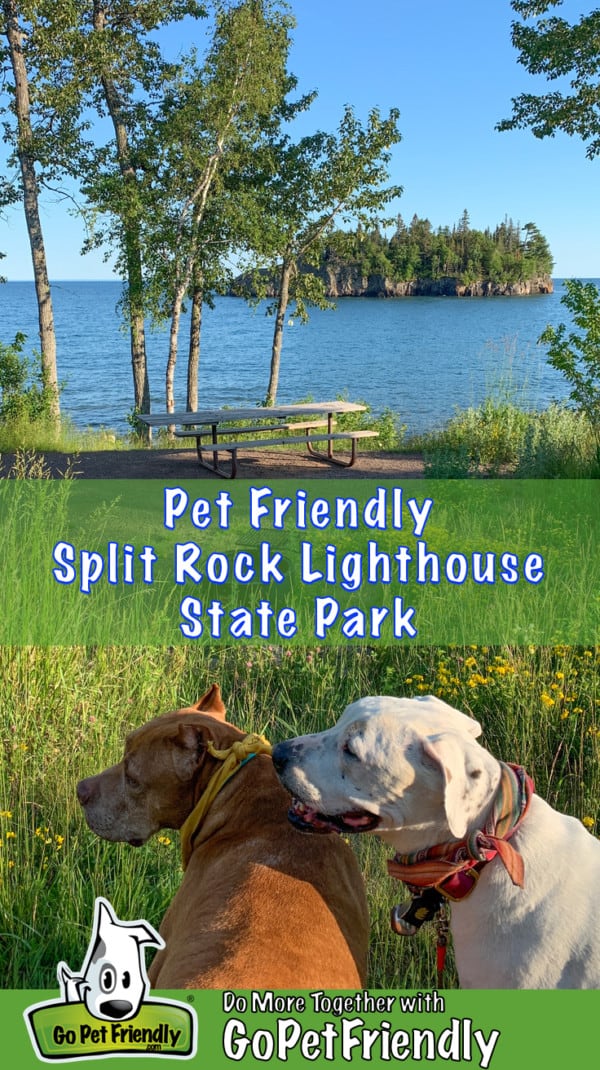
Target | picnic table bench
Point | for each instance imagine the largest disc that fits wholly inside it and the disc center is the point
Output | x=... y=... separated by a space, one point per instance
x=215 y=425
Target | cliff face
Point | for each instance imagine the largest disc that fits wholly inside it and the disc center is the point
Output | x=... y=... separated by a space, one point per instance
x=345 y=280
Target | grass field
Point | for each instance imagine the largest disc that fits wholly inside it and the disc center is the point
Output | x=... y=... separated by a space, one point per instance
x=64 y=713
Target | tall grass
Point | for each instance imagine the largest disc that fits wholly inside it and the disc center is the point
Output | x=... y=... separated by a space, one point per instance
x=24 y=434
x=64 y=713
x=498 y=437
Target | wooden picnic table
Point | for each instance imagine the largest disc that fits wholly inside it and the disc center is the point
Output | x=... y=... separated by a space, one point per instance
x=215 y=424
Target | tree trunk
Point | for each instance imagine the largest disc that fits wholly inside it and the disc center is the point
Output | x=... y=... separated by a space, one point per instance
x=194 y=351
x=26 y=157
x=137 y=332
x=130 y=224
x=173 y=341
x=282 y=304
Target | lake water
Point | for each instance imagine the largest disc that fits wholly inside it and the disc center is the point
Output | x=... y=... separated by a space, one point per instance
x=422 y=357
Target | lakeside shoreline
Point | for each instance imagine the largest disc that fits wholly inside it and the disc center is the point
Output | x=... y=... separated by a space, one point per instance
x=346 y=281
x=464 y=349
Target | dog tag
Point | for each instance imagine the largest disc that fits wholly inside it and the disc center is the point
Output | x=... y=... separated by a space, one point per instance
x=407 y=918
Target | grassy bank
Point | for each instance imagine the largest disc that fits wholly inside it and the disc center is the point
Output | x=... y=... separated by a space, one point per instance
x=500 y=437
x=65 y=711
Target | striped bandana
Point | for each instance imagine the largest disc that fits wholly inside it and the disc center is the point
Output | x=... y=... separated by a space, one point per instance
x=453 y=868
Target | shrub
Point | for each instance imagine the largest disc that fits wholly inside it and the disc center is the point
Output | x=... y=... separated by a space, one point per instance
x=498 y=437
x=23 y=392
x=559 y=443
x=390 y=432
x=577 y=356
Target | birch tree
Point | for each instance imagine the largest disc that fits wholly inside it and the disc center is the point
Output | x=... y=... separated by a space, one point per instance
x=93 y=59
x=214 y=115
x=321 y=180
x=15 y=30
x=127 y=72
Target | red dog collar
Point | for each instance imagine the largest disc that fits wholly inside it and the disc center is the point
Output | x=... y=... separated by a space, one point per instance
x=453 y=868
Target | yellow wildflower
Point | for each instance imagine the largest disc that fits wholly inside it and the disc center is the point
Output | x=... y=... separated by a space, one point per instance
x=588 y=822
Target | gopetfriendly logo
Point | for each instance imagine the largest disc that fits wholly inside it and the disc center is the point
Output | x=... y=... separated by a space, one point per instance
x=105 y=1010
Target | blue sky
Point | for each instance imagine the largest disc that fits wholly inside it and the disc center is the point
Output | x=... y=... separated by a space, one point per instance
x=450 y=68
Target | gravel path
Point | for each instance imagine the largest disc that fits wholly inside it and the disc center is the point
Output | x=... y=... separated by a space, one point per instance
x=169 y=464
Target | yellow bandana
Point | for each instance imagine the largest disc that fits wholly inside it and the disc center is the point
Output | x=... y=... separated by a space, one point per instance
x=232 y=759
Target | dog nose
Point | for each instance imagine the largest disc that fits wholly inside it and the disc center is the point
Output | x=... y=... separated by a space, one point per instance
x=84 y=791
x=280 y=755
x=116 y=1008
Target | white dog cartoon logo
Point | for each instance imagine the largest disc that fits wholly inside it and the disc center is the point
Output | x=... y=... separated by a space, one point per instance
x=113 y=981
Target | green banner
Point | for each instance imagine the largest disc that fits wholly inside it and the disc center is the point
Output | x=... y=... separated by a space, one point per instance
x=480 y=1029
x=332 y=563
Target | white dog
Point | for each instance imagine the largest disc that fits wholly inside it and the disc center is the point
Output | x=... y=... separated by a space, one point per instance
x=527 y=913
x=113 y=979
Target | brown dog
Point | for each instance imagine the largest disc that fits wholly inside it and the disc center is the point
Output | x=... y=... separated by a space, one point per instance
x=261 y=905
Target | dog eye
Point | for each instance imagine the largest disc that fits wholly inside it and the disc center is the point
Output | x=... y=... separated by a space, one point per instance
x=132 y=782
x=126 y=979
x=108 y=979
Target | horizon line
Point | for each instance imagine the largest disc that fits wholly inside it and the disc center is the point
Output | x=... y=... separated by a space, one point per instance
x=568 y=275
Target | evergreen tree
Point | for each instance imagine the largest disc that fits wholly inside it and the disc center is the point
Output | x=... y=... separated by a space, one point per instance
x=417 y=252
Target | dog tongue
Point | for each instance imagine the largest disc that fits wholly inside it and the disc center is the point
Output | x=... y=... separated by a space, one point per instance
x=309 y=816
x=357 y=820
x=353 y=819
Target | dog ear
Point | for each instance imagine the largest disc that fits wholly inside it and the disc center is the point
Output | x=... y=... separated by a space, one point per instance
x=449 y=756
x=189 y=749
x=460 y=722
x=211 y=703
x=190 y=737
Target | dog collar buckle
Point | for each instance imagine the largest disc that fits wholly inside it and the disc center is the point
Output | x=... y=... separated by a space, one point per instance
x=408 y=917
x=460 y=884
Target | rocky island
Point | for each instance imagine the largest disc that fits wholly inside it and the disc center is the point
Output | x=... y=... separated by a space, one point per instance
x=347 y=280
x=418 y=261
